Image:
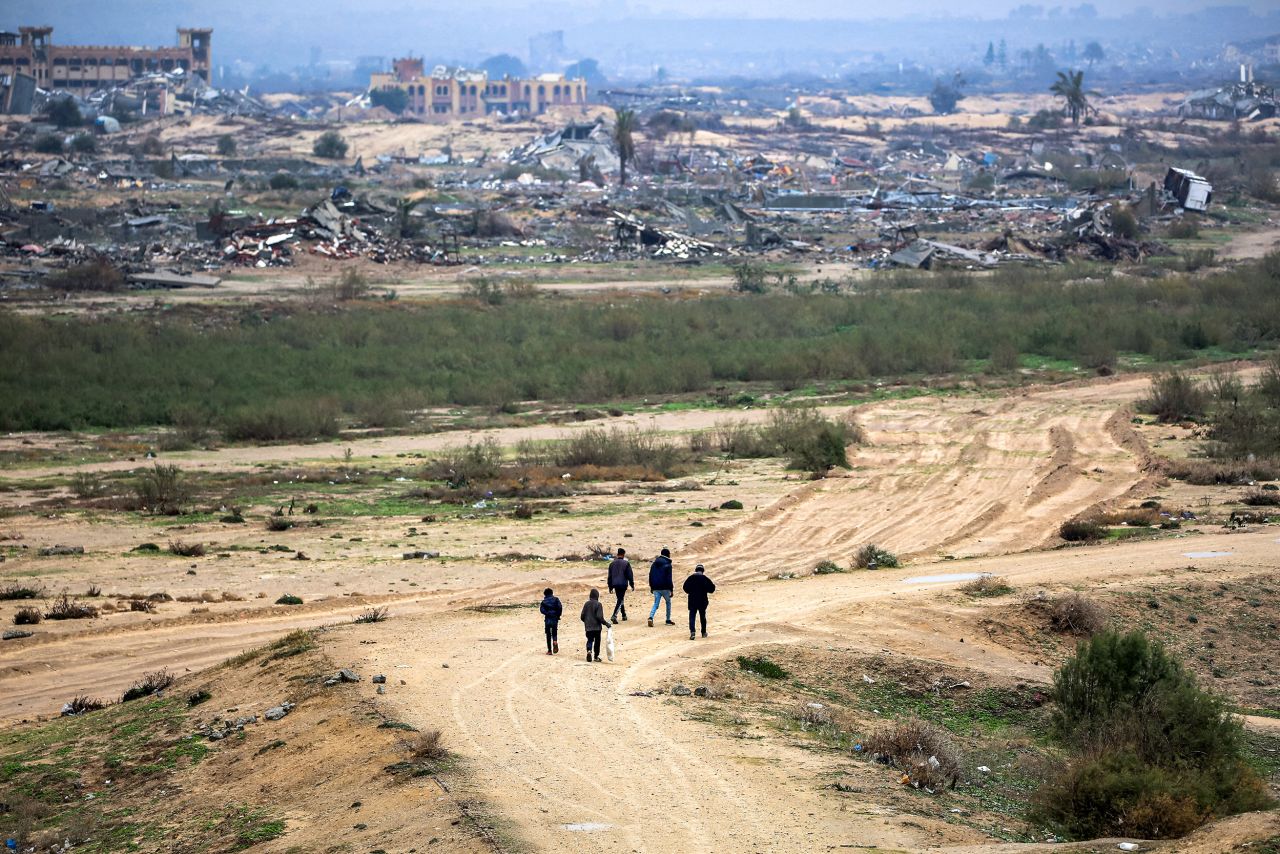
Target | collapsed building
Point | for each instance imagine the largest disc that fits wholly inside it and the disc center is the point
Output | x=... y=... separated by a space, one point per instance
x=1245 y=99
x=451 y=92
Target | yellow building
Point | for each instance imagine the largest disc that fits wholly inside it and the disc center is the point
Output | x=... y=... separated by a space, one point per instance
x=458 y=92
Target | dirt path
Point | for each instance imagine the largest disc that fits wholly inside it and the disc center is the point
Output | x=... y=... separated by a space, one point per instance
x=565 y=752
x=949 y=476
x=1252 y=244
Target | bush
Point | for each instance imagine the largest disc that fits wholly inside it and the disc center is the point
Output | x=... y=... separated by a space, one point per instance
x=474 y=462
x=1175 y=397
x=1184 y=229
x=749 y=278
x=986 y=586
x=181 y=549
x=1262 y=498
x=64 y=608
x=393 y=98
x=27 y=616
x=428 y=746
x=1076 y=614
x=615 y=448
x=923 y=752
x=827 y=567
x=150 y=683
x=226 y=145
x=282 y=181
x=731 y=504
x=291 y=420
x=1211 y=472
x=351 y=285
x=162 y=489
x=811 y=441
x=279 y=523
x=81 y=705
x=14 y=590
x=873 y=557
x=84 y=143
x=48 y=143
x=1157 y=756
x=1081 y=530
x=330 y=145
x=762 y=667
x=373 y=615
x=65 y=113
x=289 y=599
x=94 y=277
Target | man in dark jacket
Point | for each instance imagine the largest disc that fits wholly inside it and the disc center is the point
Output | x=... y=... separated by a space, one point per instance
x=661 y=584
x=593 y=619
x=620 y=576
x=698 y=587
x=551 y=610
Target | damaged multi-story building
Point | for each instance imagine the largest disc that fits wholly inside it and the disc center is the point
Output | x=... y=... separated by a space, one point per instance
x=453 y=92
x=31 y=52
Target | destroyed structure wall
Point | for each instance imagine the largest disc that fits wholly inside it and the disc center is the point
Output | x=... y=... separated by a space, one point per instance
x=88 y=67
x=444 y=94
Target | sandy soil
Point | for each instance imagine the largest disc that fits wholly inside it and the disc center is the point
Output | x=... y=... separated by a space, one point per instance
x=562 y=750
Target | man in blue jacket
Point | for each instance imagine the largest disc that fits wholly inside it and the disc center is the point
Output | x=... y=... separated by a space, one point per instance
x=551 y=610
x=698 y=588
x=620 y=576
x=661 y=584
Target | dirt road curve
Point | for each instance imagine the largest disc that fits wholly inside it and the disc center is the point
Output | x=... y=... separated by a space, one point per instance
x=574 y=762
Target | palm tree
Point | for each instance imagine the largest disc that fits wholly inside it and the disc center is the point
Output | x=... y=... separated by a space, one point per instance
x=624 y=123
x=1070 y=88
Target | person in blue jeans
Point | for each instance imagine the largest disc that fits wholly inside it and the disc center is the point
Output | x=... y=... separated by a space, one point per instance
x=551 y=610
x=661 y=584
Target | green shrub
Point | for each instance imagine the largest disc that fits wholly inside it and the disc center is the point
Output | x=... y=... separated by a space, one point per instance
x=474 y=462
x=1175 y=397
x=96 y=276
x=1184 y=229
x=65 y=113
x=84 y=143
x=289 y=599
x=226 y=145
x=1155 y=755
x=762 y=667
x=749 y=278
x=330 y=145
x=48 y=143
x=291 y=420
x=873 y=557
x=1081 y=530
x=282 y=181
x=731 y=504
x=279 y=523
x=162 y=489
x=827 y=567
x=150 y=683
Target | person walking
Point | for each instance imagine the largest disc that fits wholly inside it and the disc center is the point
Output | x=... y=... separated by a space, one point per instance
x=551 y=610
x=620 y=575
x=593 y=619
x=661 y=584
x=698 y=587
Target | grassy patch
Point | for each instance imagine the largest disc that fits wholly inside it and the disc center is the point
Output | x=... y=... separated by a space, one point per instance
x=761 y=667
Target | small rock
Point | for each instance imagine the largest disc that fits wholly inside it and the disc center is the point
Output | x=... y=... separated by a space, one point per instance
x=680 y=691
x=61 y=550
x=701 y=691
x=330 y=682
x=382 y=689
x=275 y=713
x=379 y=680
x=15 y=634
x=346 y=675
x=419 y=555
x=301 y=556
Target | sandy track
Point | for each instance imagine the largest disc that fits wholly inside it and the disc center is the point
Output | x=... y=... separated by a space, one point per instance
x=948 y=476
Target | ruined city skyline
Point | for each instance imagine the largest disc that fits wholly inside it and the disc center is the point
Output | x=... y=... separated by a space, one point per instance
x=631 y=40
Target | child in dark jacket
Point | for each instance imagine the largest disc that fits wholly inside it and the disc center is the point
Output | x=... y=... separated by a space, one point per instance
x=551 y=610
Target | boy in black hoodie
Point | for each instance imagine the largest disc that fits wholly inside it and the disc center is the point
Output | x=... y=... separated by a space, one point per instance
x=551 y=610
